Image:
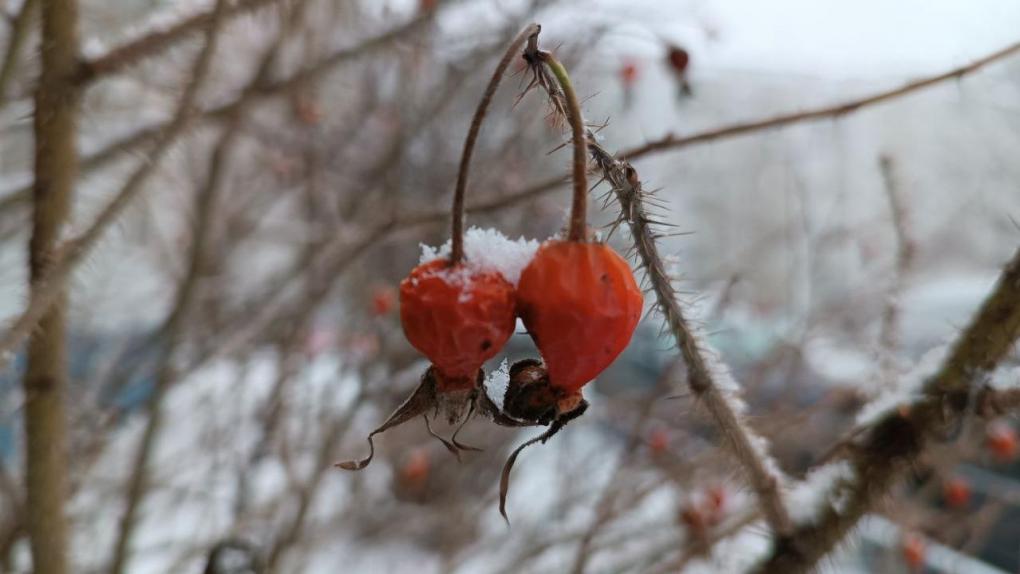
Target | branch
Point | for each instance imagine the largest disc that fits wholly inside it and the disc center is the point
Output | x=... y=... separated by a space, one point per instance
x=671 y=142
x=20 y=27
x=905 y=254
x=705 y=378
x=900 y=435
x=76 y=249
x=54 y=123
x=158 y=41
x=174 y=327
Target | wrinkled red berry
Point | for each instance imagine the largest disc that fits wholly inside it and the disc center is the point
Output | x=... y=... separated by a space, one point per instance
x=457 y=317
x=581 y=304
x=658 y=441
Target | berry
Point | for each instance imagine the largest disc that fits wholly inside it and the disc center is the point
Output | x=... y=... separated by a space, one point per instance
x=629 y=73
x=581 y=304
x=913 y=551
x=1001 y=440
x=457 y=317
x=416 y=469
x=383 y=300
x=658 y=441
x=679 y=59
x=956 y=492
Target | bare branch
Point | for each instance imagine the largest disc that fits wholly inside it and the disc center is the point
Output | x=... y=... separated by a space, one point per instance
x=672 y=142
x=899 y=436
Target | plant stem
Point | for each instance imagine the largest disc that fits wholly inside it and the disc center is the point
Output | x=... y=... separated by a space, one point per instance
x=56 y=169
x=457 y=226
x=578 y=230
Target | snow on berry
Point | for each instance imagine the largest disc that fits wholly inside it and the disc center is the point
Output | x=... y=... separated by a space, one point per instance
x=488 y=250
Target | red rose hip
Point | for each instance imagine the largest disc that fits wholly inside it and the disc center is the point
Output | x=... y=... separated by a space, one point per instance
x=581 y=304
x=456 y=316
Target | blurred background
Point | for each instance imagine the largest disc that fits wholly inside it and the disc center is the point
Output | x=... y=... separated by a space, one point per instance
x=824 y=258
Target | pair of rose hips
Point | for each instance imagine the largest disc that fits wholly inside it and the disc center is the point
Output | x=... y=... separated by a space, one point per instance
x=578 y=300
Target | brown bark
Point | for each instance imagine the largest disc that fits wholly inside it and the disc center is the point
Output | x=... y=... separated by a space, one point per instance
x=56 y=168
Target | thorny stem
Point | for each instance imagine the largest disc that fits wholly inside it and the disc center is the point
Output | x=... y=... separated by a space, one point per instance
x=54 y=122
x=578 y=230
x=457 y=226
x=701 y=378
x=741 y=438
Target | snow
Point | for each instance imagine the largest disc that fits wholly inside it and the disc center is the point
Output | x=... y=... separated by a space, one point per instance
x=488 y=250
x=497 y=382
x=810 y=496
x=906 y=388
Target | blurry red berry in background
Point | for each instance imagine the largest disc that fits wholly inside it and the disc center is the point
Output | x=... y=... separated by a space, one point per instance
x=716 y=499
x=913 y=550
x=427 y=5
x=694 y=518
x=457 y=317
x=581 y=304
x=658 y=441
x=679 y=60
x=416 y=468
x=1002 y=441
x=956 y=492
x=384 y=298
x=629 y=73
x=307 y=110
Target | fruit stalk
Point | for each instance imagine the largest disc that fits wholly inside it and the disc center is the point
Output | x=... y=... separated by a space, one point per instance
x=579 y=209
x=457 y=225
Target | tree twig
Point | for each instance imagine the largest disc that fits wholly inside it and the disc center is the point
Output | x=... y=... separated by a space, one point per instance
x=136 y=485
x=672 y=142
x=900 y=435
x=703 y=378
x=56 y=169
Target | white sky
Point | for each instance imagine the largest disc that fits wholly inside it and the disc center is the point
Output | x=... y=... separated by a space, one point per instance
x=860 y=37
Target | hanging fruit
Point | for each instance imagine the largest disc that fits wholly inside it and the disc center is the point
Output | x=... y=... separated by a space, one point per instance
x=456 y=311
x=578 y=299
x=679 y=60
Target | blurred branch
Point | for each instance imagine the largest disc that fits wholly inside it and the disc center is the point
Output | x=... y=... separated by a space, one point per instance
x=158 y=41
x=54 y=121
x=75 y=249
x=174 y=327
x=905 y=255
x=20 y=27
x=671 y=142
x=900 y=435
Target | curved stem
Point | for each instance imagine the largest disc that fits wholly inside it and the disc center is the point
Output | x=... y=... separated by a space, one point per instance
x=457 y=227
x=579 y=210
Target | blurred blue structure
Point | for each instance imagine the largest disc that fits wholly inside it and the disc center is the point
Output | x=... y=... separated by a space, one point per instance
x=123 y=362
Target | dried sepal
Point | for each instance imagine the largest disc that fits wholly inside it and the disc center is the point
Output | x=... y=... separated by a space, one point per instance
x=554 y=427
x=430 y=395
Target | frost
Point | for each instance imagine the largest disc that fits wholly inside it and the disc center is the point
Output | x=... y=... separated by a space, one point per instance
x=809 y=497
x=489 y=250
x=906 y=387
x=159 y=21
x=497 y=382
